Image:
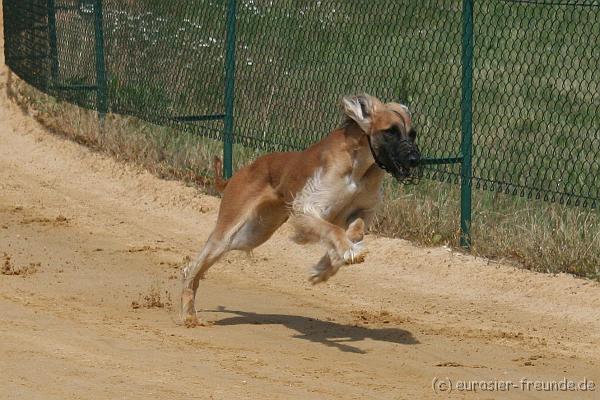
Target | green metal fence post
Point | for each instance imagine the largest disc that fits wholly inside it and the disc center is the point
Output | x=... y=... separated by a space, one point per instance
x=466 y=171
x=229 y=90
x=52 y=40
x=101 y=85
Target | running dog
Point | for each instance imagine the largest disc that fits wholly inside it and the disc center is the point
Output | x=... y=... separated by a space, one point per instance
x=328 y=192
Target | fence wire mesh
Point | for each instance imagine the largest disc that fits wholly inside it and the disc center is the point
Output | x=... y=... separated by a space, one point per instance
x=537 y=99
x=536 y=91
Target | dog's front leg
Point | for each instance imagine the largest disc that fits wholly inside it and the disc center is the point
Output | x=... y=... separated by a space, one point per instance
x=331 y=262
x=324 y=268
x=310 y=226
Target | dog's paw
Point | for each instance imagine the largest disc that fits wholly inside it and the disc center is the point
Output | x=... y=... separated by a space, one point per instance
x=356 y=254
x=321 y=272
x=191 y=321
x=316 y=278
x=319 y=276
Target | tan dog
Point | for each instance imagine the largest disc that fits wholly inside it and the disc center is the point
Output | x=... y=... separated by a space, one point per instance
x=328 y=191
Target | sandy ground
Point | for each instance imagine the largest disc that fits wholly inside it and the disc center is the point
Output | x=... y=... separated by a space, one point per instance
x=97 y=236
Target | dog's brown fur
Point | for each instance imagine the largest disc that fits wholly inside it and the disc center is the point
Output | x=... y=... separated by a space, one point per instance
x=220 y=183
x=328 y=191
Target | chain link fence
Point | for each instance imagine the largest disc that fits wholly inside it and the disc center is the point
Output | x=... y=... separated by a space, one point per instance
x=537 y=99
x=529 y=67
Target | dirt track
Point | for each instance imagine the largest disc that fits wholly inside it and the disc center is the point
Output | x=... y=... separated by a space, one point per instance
x=103 y=233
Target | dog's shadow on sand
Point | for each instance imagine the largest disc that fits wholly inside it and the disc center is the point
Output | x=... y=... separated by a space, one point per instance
x=329 y=333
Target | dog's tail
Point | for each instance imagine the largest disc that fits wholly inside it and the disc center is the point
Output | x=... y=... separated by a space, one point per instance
x=220 y=183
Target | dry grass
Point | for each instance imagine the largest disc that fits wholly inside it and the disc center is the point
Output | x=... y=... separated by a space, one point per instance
x=163 y=151
x=536 y=235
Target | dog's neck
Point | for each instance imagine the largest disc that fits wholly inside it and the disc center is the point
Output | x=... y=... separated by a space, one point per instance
x=358 y=146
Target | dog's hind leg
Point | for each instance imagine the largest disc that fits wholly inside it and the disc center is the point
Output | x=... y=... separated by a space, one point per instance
x=195 y=270
x=237 y=229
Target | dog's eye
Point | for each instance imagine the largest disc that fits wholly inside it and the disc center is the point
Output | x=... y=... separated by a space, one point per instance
x=391 y=131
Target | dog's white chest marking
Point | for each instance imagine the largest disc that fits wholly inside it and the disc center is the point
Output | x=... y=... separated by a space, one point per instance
x=352 y=186
x=325 y=194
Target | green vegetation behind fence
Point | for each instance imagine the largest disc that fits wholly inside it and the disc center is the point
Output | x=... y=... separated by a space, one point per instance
x=535 y=88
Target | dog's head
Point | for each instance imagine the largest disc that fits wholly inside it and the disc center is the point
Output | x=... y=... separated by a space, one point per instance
x=390 y=132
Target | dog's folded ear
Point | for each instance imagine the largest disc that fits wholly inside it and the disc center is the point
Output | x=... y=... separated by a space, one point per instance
x=360 y=109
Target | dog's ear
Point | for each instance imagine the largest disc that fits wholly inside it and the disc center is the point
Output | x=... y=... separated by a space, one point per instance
x=360 y=109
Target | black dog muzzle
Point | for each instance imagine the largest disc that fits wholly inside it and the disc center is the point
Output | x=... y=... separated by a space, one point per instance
x=396 y=155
